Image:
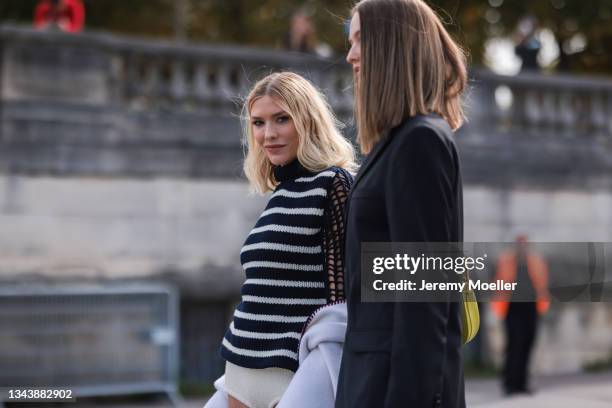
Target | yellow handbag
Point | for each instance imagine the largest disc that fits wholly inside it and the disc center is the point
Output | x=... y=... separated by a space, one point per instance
x=470 y=316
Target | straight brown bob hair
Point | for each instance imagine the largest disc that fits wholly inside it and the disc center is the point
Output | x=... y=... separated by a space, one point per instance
x=409 y=65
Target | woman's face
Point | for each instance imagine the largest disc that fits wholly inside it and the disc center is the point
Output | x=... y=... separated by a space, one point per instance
x=274 y=130
x=354 y=55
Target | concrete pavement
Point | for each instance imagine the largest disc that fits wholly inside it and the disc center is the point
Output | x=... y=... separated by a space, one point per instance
x=559 y=391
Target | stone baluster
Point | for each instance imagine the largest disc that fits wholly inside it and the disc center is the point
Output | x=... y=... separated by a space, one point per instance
x=178 y=81
x=582 y=112
x=246 y=80
x=533 y=110
x=153 y=82
x=132 y=81
x=518 y=111
x=227 y=90
x=549 y=110
x=482 y=106
x=598 y=115
x=201 y=84
x=504 y=104
x=116 y=78
x=568 y=112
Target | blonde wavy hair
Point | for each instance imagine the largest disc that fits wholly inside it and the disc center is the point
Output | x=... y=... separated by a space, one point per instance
x=409 y=65
x=320 y=143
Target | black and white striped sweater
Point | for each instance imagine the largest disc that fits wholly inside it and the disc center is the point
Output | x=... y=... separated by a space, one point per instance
x=293 y=260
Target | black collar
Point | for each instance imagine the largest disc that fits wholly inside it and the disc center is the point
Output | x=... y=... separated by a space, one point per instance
x=290 y=171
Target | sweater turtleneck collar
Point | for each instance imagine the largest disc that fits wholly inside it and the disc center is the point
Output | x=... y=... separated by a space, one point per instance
x=290 y=171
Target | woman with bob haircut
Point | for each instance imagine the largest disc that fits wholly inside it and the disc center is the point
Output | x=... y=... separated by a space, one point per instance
x=293 y=257
x=409 y=76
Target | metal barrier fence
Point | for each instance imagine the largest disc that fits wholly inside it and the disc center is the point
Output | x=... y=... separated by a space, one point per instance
x=93 y=340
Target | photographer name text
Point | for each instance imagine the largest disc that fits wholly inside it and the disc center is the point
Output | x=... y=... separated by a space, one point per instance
x=423 y=285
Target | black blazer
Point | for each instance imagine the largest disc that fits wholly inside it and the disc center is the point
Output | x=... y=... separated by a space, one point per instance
x=403 y=354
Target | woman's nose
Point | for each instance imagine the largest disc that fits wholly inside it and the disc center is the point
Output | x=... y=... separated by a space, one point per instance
x=269 y=132
x=349 y=56
x=352 y=56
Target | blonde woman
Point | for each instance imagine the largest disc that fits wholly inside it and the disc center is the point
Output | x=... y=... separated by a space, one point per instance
x=293 y=257
x=409 y=75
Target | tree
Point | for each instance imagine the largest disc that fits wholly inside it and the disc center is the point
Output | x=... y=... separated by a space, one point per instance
x=576 y=24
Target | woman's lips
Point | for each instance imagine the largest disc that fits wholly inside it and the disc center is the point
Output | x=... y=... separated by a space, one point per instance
x=274 y=147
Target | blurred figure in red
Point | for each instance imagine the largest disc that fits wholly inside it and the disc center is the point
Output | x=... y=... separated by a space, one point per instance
x=67 y=15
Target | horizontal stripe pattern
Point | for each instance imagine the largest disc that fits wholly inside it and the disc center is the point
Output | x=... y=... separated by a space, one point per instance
x=309 y=179
x=269 y=318
x=283 y=265
x=271 y=246
x=293 y=211
x=257 y=353
x=285 y=228
x=285 y=283
x=283 y=259
x=299 y=194
x=263 y=336
x=282 y=301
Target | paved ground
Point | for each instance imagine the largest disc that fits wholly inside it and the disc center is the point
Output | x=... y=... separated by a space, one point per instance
x=561 y=391
x=575 y=391
x=571 y=391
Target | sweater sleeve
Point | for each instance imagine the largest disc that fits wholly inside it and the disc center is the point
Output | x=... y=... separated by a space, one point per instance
x=334 y=233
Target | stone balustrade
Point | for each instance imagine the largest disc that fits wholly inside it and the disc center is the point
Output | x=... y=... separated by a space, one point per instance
x=100 y=104
x=536 y=104
x=149 y=75
x=206 y=78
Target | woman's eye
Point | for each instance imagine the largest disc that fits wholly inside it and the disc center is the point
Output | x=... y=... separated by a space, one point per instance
x=282 y=119
x=257 y=123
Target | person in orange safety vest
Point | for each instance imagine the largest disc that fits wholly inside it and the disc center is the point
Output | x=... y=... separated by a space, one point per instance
x=521 y=312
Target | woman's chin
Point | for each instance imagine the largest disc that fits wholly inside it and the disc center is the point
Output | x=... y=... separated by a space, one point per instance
x=279 y=161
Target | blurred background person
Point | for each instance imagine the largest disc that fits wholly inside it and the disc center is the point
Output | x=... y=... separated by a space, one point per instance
x=520 y=310
x=302 y=35
x=67 y=15
x=527 y=43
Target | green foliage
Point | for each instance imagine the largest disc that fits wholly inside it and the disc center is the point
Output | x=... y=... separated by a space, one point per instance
x=17 y=10
x=151 y=18
x=566 y=18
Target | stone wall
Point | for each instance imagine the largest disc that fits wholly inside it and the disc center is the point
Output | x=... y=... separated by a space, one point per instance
x=190 y=231
x=120 y=159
